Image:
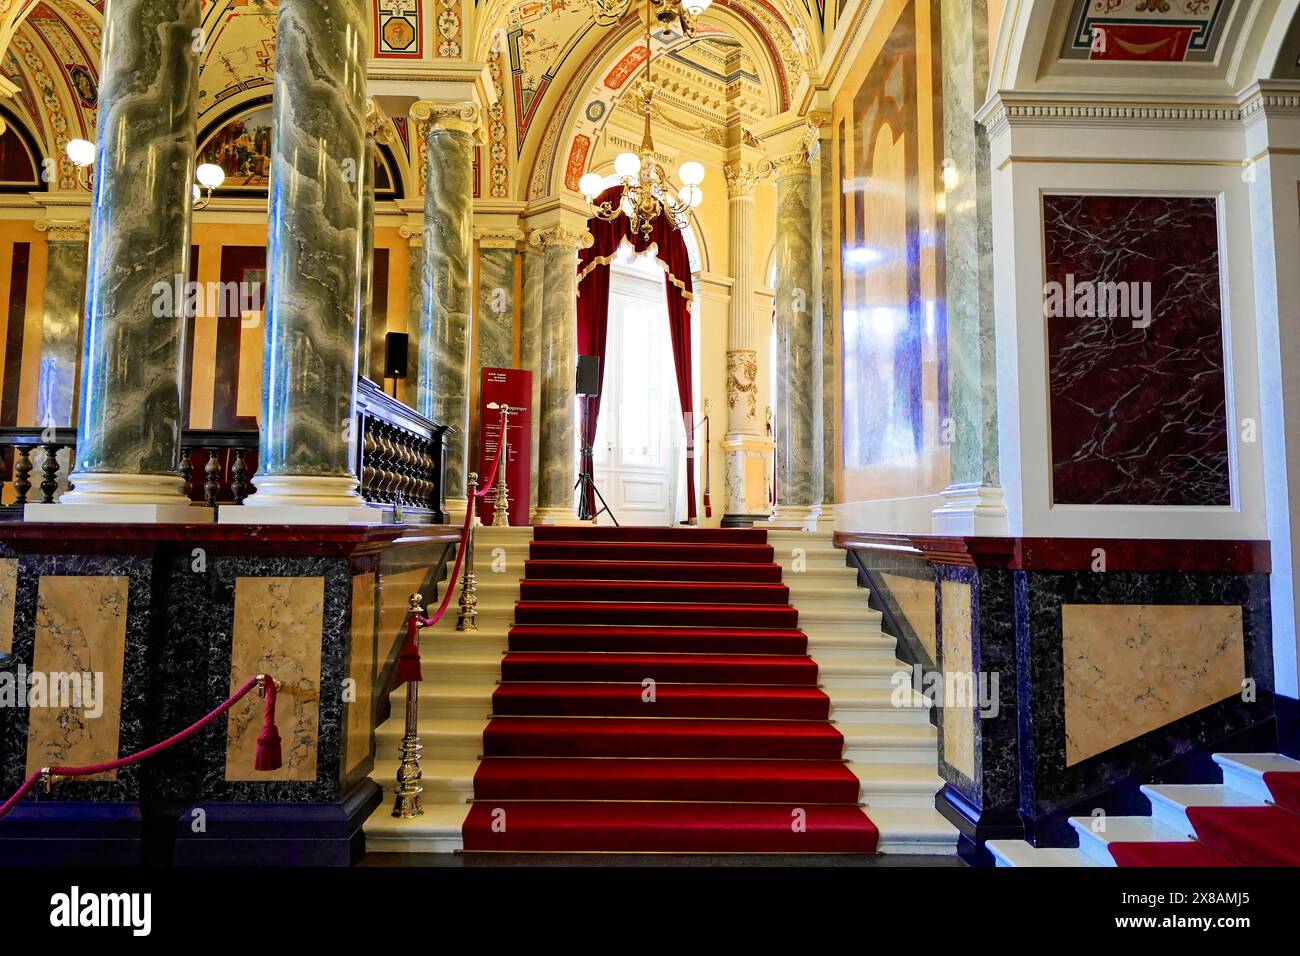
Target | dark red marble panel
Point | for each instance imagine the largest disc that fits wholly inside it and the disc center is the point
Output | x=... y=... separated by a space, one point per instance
x=1137 y=390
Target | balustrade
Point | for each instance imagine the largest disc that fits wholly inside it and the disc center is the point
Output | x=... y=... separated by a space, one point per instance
x=399 y=461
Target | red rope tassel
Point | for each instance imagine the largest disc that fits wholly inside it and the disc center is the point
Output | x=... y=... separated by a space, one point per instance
x=267 y=756
x=408 y=661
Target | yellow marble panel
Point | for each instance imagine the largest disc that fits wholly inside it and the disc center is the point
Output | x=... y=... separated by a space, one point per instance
x=80 y=630
x=361 y=670
x=916 y=600
x=279 y=627
x=958 y=716
x=1132 y=669
x=395 y=590
x=8 y=590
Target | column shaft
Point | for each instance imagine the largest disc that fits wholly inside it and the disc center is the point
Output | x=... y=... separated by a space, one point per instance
x=318 y=172
x=558 y=361
x=129 y=423
x=366 y=337
x=65 y=297
x=530 y=347
x=496 y=304
x=443 y=392
x=798 y=350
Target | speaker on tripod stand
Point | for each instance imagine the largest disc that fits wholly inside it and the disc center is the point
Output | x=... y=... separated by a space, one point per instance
x=588 y=387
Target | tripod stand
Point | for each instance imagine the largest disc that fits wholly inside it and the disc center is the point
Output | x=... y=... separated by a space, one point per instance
x=587 y=481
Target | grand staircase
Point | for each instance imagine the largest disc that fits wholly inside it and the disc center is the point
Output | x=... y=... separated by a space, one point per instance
x=665 y=690
x=1252 y=818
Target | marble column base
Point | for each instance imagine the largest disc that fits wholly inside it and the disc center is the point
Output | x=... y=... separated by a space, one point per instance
x=455 y=509
x=557 y=516
x=108 y=499
x=800 y=517
x=971 y=509
x=746 y=466
x=302 y=499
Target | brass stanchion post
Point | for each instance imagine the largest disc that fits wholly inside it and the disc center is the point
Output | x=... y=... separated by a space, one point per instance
x=467 y=619
x=407 y=802
x=501 y=506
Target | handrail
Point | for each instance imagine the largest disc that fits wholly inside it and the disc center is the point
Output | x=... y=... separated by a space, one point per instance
x=408 y=671
x=267 y=756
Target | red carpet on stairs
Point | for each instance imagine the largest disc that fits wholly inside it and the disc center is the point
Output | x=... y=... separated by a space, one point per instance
x=1167 y=854
x=658 y=696
x=1285 y=788
x=1253 y=836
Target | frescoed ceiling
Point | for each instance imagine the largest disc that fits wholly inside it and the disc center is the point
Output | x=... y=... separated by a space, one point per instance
x=548 y=61
x=1165 y=31
x=239 y=61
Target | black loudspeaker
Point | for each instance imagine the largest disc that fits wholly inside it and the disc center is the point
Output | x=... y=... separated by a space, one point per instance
x=588 y=374
x=395 y=345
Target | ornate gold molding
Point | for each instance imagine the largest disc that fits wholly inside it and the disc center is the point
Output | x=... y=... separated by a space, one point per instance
x=742 y=177
x=561 y=236
x=498 y=237
x=378 y=125
x=63 y=231
x=463 y=117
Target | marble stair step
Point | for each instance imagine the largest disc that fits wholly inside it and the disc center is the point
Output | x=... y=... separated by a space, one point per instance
x=443 y=738
x=864 y=673
x=826 y=646
x=437 y=830
x=1009 y=853
x=896 y=785
x=871 y=743
x=1097 y=833
x=1169 y=802
x=913 y=830
x=876 y=706
x=1245 y=772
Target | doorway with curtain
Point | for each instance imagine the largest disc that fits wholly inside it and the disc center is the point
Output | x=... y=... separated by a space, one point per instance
x=638 y=451
x=648 y=375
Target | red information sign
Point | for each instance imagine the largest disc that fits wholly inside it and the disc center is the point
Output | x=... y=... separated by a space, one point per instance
x=512 y=389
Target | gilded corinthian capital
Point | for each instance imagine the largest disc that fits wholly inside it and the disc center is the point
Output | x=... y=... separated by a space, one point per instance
x=464 y=117
x=742 y=177
x=562 y=236
x=379 y=125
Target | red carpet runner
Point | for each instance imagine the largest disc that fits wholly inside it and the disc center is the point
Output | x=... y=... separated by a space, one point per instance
x=658 y=696
x=1231 y=836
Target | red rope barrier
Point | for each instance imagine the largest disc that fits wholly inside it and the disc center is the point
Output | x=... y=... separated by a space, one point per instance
x=408 y=659
x=267 y=756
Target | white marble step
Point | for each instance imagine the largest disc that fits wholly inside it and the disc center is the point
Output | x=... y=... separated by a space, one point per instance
x=872 y=743
x=857 y=705
x=1169 y=802
x=913 y=830
x=837 y=620
x=443 y=739
x=896 y=786
x=1008 y=853
x=1245 y=772
x=437 y=830
x=1097 y=833
x=825 y=645
x=866 y=673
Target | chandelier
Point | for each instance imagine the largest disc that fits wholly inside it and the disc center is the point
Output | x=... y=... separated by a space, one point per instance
x=647 y=193
x=667 y=12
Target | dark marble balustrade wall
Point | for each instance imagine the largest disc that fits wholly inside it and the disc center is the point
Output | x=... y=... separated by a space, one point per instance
x=1089 y=682
x=175 y=619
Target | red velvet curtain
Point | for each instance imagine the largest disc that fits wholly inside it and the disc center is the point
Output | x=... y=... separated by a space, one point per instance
x=593 y=313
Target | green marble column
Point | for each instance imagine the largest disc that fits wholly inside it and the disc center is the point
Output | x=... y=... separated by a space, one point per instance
x=365 y=338
x=530 y=346
x=318 y=182
x=557 y=359
x=65 y=297
x=826 y=190
x=414 y=308
x=798 y=412
x=974 y=498
x=443 y=388
x=129 y=422
x=496 y=298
